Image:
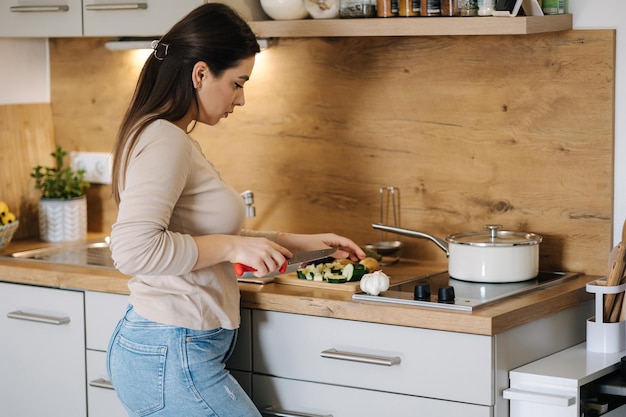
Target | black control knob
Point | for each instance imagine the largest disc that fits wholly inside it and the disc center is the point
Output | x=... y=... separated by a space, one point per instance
x=421 y=292
x=446 y=295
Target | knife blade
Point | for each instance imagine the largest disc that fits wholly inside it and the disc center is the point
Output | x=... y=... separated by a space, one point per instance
x=297 y=260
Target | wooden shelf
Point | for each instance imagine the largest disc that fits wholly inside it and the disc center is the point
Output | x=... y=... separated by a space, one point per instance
x=398 y=26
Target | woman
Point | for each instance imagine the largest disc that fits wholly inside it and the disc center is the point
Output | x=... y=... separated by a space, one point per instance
x=178 y=230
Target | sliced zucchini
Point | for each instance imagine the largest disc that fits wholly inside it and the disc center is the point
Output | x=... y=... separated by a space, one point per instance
x=359 y=271
x=348 y=271
x=336 y=279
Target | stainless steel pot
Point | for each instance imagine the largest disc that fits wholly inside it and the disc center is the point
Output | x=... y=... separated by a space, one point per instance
x=489 y=256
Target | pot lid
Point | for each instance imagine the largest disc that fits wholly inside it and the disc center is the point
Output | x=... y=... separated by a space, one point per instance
x=495 y=237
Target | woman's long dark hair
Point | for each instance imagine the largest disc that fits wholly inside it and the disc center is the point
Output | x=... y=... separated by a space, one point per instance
x=212 y=33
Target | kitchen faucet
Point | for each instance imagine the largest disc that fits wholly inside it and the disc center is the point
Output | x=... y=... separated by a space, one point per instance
x=248 y=198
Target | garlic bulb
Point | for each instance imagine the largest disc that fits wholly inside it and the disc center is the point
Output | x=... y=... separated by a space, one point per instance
x=375 y=283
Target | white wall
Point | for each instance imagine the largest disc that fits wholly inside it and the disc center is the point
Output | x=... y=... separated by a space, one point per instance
x=24 y=71
x=609 y=14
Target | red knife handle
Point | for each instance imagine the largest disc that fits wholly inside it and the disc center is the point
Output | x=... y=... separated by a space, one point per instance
x=241 y=268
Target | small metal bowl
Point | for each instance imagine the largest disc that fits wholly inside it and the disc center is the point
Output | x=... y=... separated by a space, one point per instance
x=384 y=248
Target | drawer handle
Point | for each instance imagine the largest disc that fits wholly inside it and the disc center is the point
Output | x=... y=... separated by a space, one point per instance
x=357 y=357
x=37 y=9
x=539 y=398
x=116 y=6
x=101 y=383
x=271 y=412
x=39 y=318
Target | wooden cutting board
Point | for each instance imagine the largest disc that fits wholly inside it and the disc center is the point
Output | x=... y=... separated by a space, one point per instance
x=292 y=279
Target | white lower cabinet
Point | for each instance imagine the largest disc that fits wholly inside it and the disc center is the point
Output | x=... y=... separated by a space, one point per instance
x=287 y=397
x=102 y=313
x=42 y=352
x=240 y=362
x=451 y=373
x=101 y=398
x=53 y=349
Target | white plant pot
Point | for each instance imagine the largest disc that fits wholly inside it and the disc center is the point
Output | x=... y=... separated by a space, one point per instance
x=63 y=220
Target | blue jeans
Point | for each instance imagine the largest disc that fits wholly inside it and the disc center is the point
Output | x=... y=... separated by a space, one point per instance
x=160 y=370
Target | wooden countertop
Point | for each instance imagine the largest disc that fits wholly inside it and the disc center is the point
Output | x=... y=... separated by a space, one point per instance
x=489 y=320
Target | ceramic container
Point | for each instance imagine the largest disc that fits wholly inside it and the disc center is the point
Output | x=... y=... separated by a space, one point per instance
x=285 y=9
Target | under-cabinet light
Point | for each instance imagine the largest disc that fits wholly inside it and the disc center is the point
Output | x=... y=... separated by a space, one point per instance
x=127 y=44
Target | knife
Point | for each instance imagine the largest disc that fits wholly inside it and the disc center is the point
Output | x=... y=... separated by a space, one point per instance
x=297 y=259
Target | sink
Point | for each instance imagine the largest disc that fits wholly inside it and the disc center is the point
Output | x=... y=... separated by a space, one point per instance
x=92 y=254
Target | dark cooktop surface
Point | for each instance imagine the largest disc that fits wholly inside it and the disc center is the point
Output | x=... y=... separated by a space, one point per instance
x=464 y=296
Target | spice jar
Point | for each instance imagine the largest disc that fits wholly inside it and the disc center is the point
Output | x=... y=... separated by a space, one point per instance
x=468 y=8
x=449 y=7
x=485 y=7
x=386 y=8
x=357 y=8
x=409 y=8
x=430 y=8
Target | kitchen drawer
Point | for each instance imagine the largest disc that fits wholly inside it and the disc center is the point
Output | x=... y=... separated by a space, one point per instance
x=101 y=398
x=42 y=352
x=102 y=312
x=430 y=363
x=301 y=398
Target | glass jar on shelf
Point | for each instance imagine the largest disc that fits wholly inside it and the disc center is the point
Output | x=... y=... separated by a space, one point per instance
x=468 y=8
x=450 y=7
x=357 y=8
x=485 y=7
x=386 y=8
x=430 y=8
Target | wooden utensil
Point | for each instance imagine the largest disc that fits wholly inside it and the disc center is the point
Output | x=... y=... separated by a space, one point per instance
x=614 y=278
x=615 y=305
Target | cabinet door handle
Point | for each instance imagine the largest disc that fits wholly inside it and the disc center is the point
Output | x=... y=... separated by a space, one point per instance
x=116 y=6
x=101 y=383
x=358 y=357
x=37 y=9
x=40 y=318
x=271 y=412
x=538 y=397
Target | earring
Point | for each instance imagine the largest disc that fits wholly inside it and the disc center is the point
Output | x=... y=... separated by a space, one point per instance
x=199 y=86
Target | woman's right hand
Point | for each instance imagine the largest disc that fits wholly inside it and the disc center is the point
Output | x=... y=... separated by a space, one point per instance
x=259 y=253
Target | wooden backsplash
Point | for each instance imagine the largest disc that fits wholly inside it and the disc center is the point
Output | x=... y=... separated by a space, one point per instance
x=513 y=130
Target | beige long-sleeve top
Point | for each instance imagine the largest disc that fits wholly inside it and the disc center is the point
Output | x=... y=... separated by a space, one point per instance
x=170 y=193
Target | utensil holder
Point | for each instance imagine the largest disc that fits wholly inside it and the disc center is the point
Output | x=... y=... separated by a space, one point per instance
x=602 y=336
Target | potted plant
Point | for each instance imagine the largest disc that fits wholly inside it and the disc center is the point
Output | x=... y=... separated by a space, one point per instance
x=63 y=204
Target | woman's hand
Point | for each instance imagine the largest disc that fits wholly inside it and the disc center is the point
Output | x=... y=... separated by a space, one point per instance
x=305 y=242
x=259 y=253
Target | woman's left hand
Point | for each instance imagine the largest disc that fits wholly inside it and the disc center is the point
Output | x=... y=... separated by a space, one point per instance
x=304 y=242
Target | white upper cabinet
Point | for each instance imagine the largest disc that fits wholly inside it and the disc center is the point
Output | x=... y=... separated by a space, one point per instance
x=40 y=18
x=74 y=18
x=142 y=18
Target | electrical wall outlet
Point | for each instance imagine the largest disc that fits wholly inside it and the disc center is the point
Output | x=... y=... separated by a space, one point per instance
x=97 y=166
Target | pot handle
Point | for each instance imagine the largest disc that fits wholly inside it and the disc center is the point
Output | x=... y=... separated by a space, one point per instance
x=443 y=245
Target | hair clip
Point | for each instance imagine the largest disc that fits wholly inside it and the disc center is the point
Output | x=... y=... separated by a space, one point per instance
x=155 y=45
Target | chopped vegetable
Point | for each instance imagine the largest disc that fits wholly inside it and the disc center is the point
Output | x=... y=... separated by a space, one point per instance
x=371 y=264
x=373 y=254
x=336 y=272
